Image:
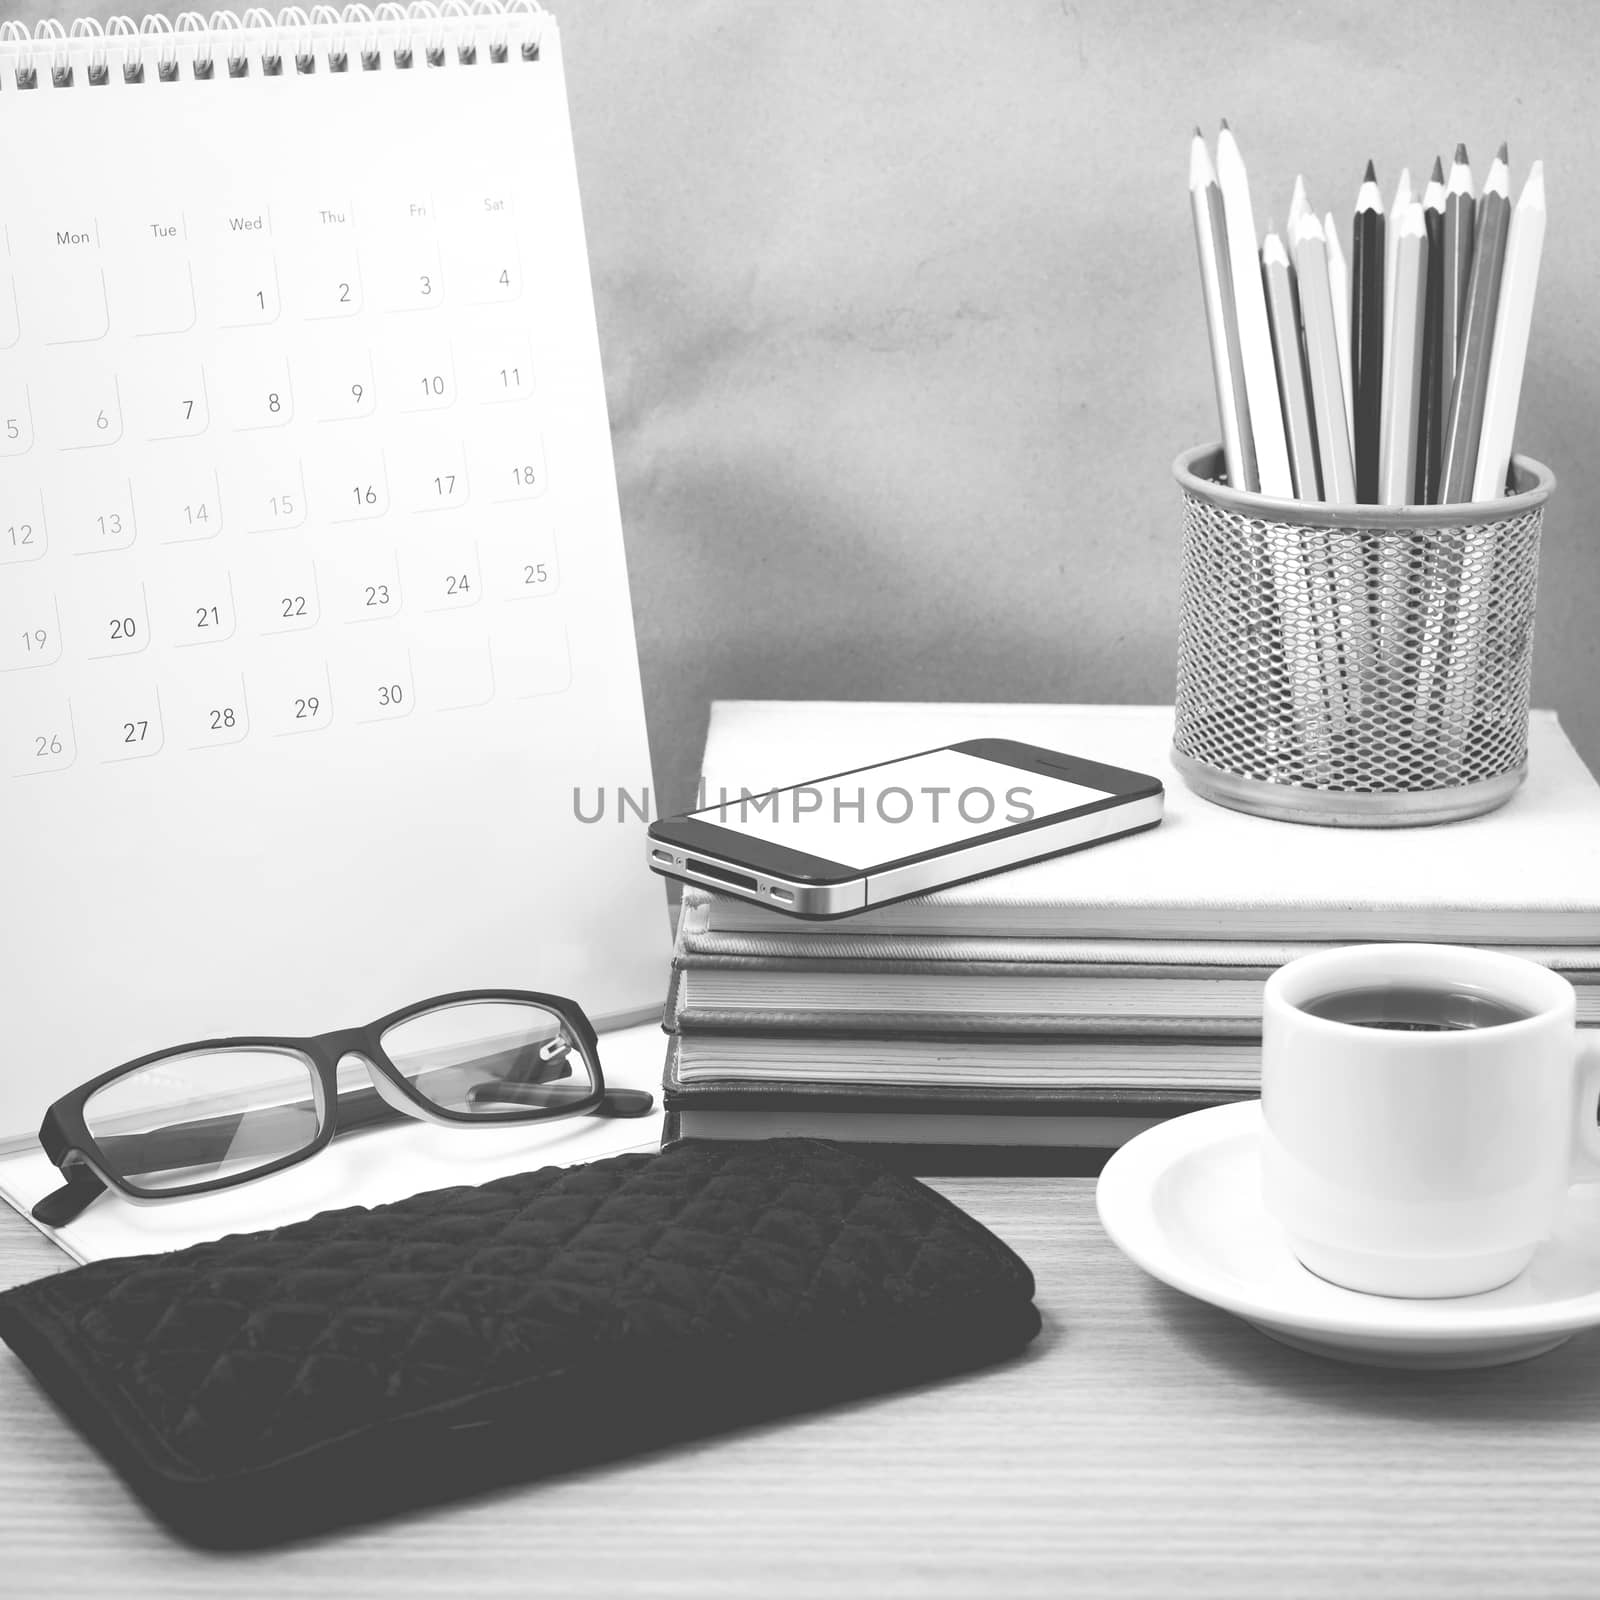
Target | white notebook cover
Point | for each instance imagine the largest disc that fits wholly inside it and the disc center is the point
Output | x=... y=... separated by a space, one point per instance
x=1527 y=873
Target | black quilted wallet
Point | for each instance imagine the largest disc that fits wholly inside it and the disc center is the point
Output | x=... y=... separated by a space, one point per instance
x=274 y=1384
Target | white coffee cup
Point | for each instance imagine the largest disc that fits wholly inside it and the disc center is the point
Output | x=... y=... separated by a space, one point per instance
x=1423 y=1164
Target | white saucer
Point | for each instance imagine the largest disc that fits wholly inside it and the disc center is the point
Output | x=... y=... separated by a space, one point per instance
x=1183 y=1200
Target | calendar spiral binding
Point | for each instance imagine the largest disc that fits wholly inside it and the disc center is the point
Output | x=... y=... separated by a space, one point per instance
x=294 y=41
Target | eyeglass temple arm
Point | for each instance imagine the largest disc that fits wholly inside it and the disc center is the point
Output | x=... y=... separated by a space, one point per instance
x=72 y=1199
x=527 y=1080
x=626 y=1103
x=615 y=1102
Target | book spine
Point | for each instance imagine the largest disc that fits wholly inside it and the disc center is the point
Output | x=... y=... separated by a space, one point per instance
x=919 y=1099
x=902 y=1024
x=957 y=967
x=1024 y=951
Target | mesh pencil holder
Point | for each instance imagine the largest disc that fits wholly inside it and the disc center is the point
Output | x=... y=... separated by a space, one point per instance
x=1355 y=665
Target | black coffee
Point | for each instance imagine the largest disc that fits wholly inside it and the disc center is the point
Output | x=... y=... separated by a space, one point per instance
x=1415 y=1008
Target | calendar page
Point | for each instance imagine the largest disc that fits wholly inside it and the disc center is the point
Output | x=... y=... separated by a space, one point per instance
x=315 y=637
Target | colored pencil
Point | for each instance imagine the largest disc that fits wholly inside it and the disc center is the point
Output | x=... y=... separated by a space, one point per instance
x=1366 y=334
x=1322 y=363
x=1255 y=340
x=1430 y=407
x=1477 y=337
x=1518 y=281
x=1404 y=347
x=1339 y=287
x=1391 y=244
x=1284 y=318
x=1460 y=230
x=1298 y=206
x=1216 y=283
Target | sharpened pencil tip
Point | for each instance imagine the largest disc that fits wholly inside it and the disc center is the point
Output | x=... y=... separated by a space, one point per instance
x=1370 y=175
x=1461 y=154
x=1501 y=154
x=1197 y=132
x=1225 y=127
x=1437 y=175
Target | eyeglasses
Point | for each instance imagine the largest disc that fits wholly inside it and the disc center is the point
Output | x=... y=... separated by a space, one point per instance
x=222 y=1112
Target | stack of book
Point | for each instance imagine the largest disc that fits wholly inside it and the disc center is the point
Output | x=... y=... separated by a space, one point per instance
x=1040 y=1017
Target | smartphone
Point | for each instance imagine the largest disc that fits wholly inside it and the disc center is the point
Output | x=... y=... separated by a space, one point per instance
x=900 y=828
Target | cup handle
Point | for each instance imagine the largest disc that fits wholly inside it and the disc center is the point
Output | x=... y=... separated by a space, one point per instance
x=1586 y=1112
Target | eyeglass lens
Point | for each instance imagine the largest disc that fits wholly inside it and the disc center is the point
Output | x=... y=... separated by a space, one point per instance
x=491 y=1058
x=206 y=1115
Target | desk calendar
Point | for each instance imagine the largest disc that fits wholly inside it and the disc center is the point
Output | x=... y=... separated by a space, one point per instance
x=313 y=607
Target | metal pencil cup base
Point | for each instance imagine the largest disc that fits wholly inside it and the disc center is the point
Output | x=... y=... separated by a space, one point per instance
x=1355 y=665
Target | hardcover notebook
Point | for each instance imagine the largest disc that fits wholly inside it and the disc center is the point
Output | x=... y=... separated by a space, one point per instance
x=942 y=1103
x=935 y=1105
x=1026 y=994
x=811 y=1062
x=1528 y=873
x=313 y=608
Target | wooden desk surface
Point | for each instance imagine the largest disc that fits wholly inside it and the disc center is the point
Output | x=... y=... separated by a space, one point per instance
x=1147 y=1445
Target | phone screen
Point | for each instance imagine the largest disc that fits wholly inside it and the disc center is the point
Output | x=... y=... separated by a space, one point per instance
x=903 y=808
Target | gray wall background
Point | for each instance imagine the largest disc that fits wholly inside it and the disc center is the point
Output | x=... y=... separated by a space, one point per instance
x=902 y=325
